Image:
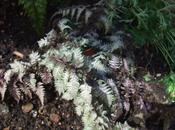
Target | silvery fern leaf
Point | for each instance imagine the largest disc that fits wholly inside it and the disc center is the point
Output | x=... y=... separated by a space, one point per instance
x=113 y=86
x=97 y=63
x=46 y=41
x=83 y=42
x=3 y=84
x=89 y=120
x=40 y=92
x=86 y=93
x=34 y=57
x=59 y=85
x=88 y=14
x=80 y=10
x=73 y=12
x=61 y=80
x=105 y=93
x=84 y=107
x=46 y=77
x=102 y=118
x=62 y=24
x=116 y=42
x=17 y=67
x=57 y=72
x=3 y=88
x=65 y=53
x=78 y=58
x=106 y=23
x=8 y=74
x=72 y=88
x=27 y=91
x=108 y=43
x=48 y=63
x=66 y=12
x=51 y=36
x=32 y=82
x=43 y=42
x=15 y=91
x=115 y=62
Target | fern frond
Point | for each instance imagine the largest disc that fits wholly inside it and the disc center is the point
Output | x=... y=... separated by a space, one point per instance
x=37 y=88
x=63 y=25
x=78 y=58
x=115 y=62
x=83 y=104
x=27 y=91
x=40 y=92
x=104 y=22
x=17 y=67
x=32 y=82
x=80 y=10
x=105 y=93
x=8 y=74
x=43 y=42
x=97 y=63
x=15 y=91
x=47 y=61
x=46 y=77
x=36 y=10
x=72 y=88
x=34 y=57
x=61 y=80
x=88 y=14
x=3 y=84
x=116 y=42
x=86 y=93
x=3 y=88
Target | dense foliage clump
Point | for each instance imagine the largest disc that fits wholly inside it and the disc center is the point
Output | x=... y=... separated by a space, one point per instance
x=149 y=22
x=85 y=58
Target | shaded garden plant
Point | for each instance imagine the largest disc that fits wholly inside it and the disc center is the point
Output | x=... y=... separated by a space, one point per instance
x=149 y=22
x=86 y=67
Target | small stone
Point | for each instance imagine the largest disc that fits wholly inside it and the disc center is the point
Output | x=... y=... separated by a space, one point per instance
x=55 y=118
x=27 y=107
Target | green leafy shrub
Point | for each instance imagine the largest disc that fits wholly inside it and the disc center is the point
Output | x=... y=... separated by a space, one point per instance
x=149 y=22
x=169 y=81
x=36 y=10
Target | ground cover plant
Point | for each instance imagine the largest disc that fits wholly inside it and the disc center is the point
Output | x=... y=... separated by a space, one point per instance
x=86 y=60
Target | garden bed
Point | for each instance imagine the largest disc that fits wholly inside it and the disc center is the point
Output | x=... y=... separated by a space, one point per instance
x=16 y=35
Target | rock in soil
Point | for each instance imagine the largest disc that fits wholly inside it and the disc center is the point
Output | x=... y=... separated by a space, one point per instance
x=27 y=107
